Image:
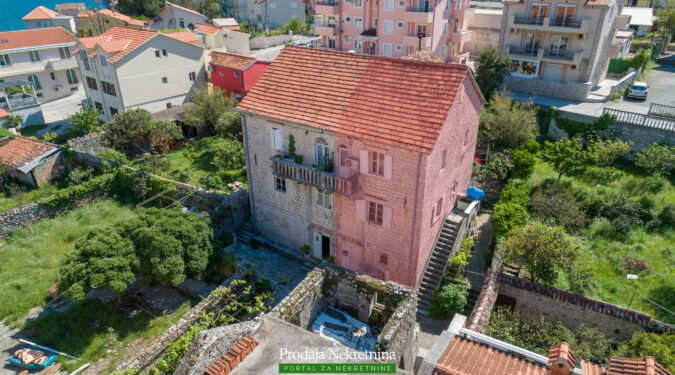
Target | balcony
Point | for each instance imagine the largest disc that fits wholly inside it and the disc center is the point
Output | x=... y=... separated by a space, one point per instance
x=414 y=41
x=370 y=33
x=419 y=15
x=459 y=59
x=533 y=52
x=325 y=29
x=560 y=24
x=62 y=64
x=566 y=57
x=463 y=14
x=348 y=187
x=459 y=36
x=287 y=168
x=327 y=8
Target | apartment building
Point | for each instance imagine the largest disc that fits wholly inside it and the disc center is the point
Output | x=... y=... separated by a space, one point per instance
x=175 y=16
x=560 y=49
x=485 y=26
x=127 y=68
x=359 y=157
x=43 y=17
x=265 y=13
x=99 y=21
x=395 y=27
x=39 y=58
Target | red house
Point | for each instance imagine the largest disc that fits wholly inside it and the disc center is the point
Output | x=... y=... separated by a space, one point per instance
x=236 y=73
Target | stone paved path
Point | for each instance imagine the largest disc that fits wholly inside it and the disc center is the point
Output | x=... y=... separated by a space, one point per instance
x=475 y=270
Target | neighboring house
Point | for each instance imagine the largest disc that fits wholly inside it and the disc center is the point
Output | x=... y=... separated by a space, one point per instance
x=41 y=58
x=383 y=160
x=622 y=41
x=31 y=162
x=126 y=68
x=99 y=21
x=262 y=13
x=226 y=23
x=4 y=115
x=175 y=16
x=235 y=73
x=485 y=26
x=641 y=20
x=71 y=9
x=43 y=17
x=560 y=49
x=657 y=4
x=395 y=27
x=225 y=37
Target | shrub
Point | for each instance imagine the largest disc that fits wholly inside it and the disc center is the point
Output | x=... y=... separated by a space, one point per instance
x=508 y=216
x=580 y=278
x=515 y=191
x=617 y=66
x=523 y=163
x=557 y=204
x=659 y=159
x=448 y=299
x=79 y=175
x=114 y=156
x=655 y=184
x=213 y=183
x=498 y=168
x=634 y=265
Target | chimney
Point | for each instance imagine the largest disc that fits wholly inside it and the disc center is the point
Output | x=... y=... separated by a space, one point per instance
x=561 y=359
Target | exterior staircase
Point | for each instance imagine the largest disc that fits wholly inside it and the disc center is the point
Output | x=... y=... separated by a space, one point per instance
x=438 y=260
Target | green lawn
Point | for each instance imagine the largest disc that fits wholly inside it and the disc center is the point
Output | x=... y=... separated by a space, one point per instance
x=604 y=249
x=9 y=201
x=200 y=168
x=30 y=257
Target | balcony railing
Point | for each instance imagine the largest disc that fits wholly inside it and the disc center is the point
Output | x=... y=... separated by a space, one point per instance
x=348 y=186
x=331 y=25
x=287 y=168
x=564 y=55
x=566 y=22
x=546 y=22
x=327 y=3
x=418 y=9
x=520 y=20
x=528 y=51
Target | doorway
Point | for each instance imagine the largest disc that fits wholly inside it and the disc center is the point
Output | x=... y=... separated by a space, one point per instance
x=321 y=248
x=325 y=247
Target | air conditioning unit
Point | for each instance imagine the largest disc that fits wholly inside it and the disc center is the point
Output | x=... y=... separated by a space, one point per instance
x=352 y=163
x=574 y=67
x=583 y=36
x=514 y=31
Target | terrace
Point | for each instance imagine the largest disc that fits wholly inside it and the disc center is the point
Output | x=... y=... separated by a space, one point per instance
x=17 y=94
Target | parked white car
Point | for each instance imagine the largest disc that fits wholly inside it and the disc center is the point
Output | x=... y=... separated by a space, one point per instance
x=638 y=90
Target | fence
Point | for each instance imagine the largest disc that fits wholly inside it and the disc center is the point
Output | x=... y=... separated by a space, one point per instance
x=640 y=119
x=662 y=110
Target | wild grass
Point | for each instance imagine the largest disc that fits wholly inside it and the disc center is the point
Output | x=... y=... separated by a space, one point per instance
x=9 y=200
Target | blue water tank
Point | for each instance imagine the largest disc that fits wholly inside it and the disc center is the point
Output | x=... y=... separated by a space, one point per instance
x=475 y=193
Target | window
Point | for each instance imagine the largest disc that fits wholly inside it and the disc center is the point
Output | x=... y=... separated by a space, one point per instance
x=331 y=42
x=422 y=29
x=537 y=14
x=375 y=212
x=324 y=199
x=532 y=43
x=466 y=137
x=64 y=52
x=273 y=5
x=447 y=4
x=52 y=76
x=358 y=3
x=85 y=60
x=221 y=74
x=164 y=53
x=376 y=163
x=104 y=64
x=236 y=74
x=91 y=83
x=72 y=77
x=399 y=24
x=34 y=56
x=375 y=23
x=294 y=5
x=443 y=52
x=348 y=19
x=348 y=40
x=322 y=154
x=401 y=3
x=386 y=49
x=388 y=5
x=165 y=80
x=181 y=23
x=358 y=23
x=439 y=206
x=388 y=26
x=98 y=106
x=280 y=184
x=445 y=27
x=35 y=81
x=443 y=159
x=192 y=76
x=157 y=53
x=564 y=15
x=276 y=139
x=108 y=88
x=399 y=48
x=383 y=259
x=558 y=45
x=169 y=105
x=4 y=60
x=113 y=111
x=523 y=68
x=357 y=44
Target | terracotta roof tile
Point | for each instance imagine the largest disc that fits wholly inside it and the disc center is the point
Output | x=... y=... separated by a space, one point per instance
x=467 y=357
x=122 y=17
x=118 y=41
x=17 y=151
x=41 y=13
x=633 y=366
x=425 y=55
x=205 y=28
x=588 y=368
x=186 y=36
x=231 y=60
x=3 y=113
x=402 y=102
x=35 y=38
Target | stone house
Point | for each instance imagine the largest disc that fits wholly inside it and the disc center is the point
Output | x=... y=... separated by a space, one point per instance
x=223 y=38
x=383 y=146
x=31 y=162
x=99 y=21
x=175 y=16
x=43 y=17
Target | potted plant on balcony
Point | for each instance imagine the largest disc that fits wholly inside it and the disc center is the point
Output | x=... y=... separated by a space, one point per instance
x=298 y=159
x=328 y=166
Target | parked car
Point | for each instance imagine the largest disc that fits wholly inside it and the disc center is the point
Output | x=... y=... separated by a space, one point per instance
x=638 y=90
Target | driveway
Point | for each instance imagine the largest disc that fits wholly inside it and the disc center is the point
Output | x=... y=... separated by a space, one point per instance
x=58 y=111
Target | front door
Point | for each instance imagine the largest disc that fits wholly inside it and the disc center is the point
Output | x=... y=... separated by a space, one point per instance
x=321 y=248
x=325 y=247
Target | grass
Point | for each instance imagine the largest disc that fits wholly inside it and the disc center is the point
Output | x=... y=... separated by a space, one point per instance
x=604 y=249
x=32 y=130
x=198 y=169
x=8 y=201
x=30 y=257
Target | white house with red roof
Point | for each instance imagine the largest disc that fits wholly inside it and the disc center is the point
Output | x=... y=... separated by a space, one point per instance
x=99 y=21
x=127 y=68
x=40 y=58
x=175 y=16
x=42 y=17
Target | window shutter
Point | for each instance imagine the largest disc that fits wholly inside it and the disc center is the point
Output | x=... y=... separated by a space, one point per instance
x=387 y=166
x=361 y=210
x=386 y=217
x=364 y=161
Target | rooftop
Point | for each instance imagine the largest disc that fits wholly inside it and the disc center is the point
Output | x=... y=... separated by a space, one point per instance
x=122 y=17
x=69 y=6
x=3 y=113
x=205 y=28
x=587 y=3
x=169 y=6
x=225 y=22
x=118 y=41
x=22 y=153
x=11 y=40
x=401 y=102
x=639 y=16
x=186 y=36
x=232 y=60
x=41 y=13
x=425 y=55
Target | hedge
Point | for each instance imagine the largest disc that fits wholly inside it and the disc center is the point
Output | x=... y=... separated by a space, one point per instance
x=617 y=66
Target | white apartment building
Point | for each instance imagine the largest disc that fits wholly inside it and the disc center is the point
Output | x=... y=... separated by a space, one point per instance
x=42 y=17
x=126 y=68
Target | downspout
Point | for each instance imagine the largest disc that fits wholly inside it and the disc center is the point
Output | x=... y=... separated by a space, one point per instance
x=241 y=78
x=412 y=238
x=248 y=171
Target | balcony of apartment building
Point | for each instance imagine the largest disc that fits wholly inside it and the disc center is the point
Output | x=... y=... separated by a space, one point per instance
x=37 y=66
x=564 y=24
x=563 y=57
x=17 y=94
x=417 y=40
x=327 y=7
x=287 y=167
x=421 y=12
x=458 y=36
x=326 y=29
x=520 y=52
x=463 y=14
x=460 y=59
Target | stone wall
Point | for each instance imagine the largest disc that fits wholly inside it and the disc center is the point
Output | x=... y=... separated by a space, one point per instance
x=480 y=315
x=562 y=90
x=268 y=41
x=628 y=78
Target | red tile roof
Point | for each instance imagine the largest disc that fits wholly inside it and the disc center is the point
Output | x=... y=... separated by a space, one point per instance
x=633 y=366
x=3 y=113
x=41 y=13
x=18 y=151
x=122 y=17
x=401 y=102
x=35 y=37
x=425 y=55
x=231 y=60
x=118 y=41
x=205 y=28
x=186 y=36
x=588 y=368
x=467 y=357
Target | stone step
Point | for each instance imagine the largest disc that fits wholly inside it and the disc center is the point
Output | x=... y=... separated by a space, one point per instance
x=422 y=312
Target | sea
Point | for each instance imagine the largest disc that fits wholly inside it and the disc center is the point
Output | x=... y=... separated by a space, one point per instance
x=11 y=11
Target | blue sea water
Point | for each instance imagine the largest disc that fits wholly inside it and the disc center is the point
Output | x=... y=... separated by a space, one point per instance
x=11 y=11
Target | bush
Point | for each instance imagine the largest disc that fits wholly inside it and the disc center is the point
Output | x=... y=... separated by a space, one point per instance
x=114 y=156
x=515 y=191
x=557 y=204
x=508 y=216
x=659 y=346
x=448 y=299
x=222 y=265
x=523 y=163
x=617 y=66
x=580 y=278
x=79 y=175
x=498 y=168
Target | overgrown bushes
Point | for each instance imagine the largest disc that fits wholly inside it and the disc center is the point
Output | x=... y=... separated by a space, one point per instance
x=448 y=299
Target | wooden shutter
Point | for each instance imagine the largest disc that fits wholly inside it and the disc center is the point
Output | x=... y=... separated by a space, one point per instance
x=387 y=166
x=361 y=210
x=386 y=217
x=364 y=161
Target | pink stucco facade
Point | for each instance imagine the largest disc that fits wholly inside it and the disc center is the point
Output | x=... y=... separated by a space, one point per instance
x=386 y=225
x=393 y=27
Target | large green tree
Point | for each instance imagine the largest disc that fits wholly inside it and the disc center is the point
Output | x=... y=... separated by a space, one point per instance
x=212 y=110
x=567 y=156
x=506 y=123
x=136 y=126
x=146 y=8
x=659 y=159
x=491 y=68
x=86 y=119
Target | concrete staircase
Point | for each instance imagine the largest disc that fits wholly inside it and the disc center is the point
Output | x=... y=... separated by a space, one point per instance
x=246 y=235
x=433 y=273
x=470 y=301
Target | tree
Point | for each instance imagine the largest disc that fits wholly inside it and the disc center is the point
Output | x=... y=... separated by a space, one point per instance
x=14 y=121
x=137 y=126
x=498 y=168
x=567 y=156
x=86 y=119
x=556 y=204
x=658 y=158
x=447 y=300
x=161 y=133
x=295 y=25
x=661 y=346
x=147 y=8
x=506 y=123
x=229 y=123
x=103 y=259
x=207 y=109
x=605 y=152
x=541 y=249
x=229 y=155
x=508 y=216
x=491 y=68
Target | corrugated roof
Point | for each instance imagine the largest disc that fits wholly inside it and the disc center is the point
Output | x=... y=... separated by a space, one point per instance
x=401 y=102
x=19 y=151
x=231 y=60
x=10 y=40
x=118 y=41
x=41 y=13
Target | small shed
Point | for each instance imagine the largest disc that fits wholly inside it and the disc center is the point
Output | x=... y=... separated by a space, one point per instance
x=32 y=162
x=641 y=19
